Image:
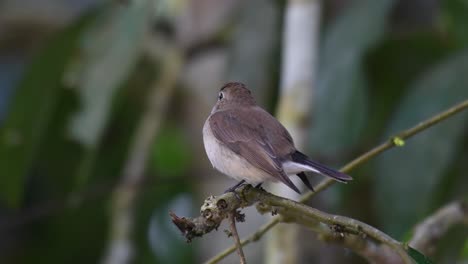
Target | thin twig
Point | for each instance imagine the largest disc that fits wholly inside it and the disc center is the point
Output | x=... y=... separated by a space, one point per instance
x=235 y=236
x=350 y=166
x=120 y=247
x=390 y=143
x=251 y=238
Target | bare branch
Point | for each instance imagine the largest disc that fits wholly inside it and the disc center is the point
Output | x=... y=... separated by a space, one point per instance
x=232 y=224
x=340 y=229
x=353 y=164
x=428 y=232
x=120 y=248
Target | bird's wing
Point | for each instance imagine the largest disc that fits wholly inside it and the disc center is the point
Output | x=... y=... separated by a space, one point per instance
x=245 y=133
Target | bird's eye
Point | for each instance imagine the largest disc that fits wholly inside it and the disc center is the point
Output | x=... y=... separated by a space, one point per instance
x=220 y=96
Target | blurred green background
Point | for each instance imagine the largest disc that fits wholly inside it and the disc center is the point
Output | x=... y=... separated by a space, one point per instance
x=102 y=105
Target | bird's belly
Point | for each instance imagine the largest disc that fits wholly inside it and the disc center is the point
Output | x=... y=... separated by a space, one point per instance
x=229 y=163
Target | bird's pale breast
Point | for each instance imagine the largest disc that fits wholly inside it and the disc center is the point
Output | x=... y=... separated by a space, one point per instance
x=228 y=162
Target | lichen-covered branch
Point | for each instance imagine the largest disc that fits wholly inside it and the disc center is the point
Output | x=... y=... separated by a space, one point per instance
x=392 y=142
x=339 y=229
x=213 y=211
x=428 y=232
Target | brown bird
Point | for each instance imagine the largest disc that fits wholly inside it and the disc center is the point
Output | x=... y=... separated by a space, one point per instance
x=246 y=143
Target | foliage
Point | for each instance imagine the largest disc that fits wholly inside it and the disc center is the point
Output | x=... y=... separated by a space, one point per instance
x=72 y=117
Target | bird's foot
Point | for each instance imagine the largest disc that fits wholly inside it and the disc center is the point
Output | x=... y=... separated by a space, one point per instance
x=259 y=186
x=233 y=188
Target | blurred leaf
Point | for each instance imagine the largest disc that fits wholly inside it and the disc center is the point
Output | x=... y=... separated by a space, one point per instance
x=255 y=41
x=450 y=245
x=31 y=110
x=170 y=10
x=174 y=249
x=454 y=19
x=110 y=51
x=340 y=102
x=88 y=208
x=127 y=108
x=170 y=153
x=418 y=256
x=392 y=65
x=408 y=176
x=464 y=252
x=64 y=237
x=158 y=240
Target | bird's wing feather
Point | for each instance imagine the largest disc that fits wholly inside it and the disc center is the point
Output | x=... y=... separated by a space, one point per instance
x=251 y=140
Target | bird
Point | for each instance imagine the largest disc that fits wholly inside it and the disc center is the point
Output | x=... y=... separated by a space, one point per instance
x=245 y=142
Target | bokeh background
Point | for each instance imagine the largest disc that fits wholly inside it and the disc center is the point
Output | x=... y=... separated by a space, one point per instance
x=102 y=105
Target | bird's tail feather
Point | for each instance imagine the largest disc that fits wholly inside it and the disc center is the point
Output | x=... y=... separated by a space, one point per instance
x=322 y=169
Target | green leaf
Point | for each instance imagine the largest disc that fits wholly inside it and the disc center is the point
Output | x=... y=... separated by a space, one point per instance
x=464 y=252
x=340 y=102
x=418 y=256
x=392 y=65
x=110 y=49
x=407 y=177
x=32 y=108
x=453 y=19
x=170 y=153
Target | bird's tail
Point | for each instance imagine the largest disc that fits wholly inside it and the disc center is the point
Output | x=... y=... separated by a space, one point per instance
x=322 y=169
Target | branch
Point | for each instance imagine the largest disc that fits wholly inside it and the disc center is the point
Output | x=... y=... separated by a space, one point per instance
x=395 y=141
x=392 y=142
x=427 y=233
x=233 y=216
x=298 y=73
x=339 y=229
x=120 y=248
